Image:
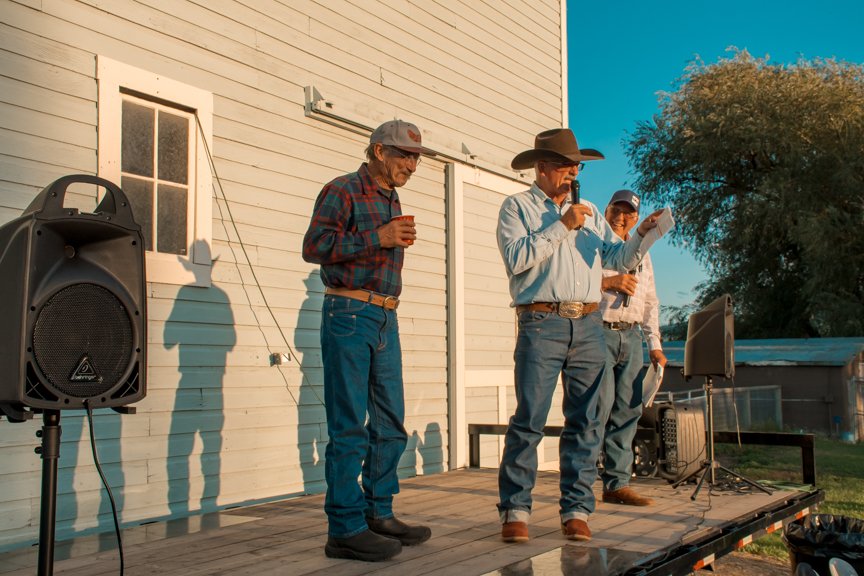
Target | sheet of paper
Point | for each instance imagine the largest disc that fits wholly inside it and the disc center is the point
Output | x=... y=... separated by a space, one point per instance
x=664 y=223
x=651 y=384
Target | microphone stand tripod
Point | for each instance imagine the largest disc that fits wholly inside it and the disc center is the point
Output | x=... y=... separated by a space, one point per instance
x=710 y=464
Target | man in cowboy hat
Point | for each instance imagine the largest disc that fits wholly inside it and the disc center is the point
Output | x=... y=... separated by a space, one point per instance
x=554 y=252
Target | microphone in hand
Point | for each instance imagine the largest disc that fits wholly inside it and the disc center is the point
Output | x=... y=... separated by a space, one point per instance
x=626 y=302
x=574 y=191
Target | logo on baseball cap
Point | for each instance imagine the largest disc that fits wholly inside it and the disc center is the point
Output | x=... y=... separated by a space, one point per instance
x=401 y=134
x=625 y=196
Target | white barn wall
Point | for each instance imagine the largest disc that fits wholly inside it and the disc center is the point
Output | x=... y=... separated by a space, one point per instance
x=219 y=425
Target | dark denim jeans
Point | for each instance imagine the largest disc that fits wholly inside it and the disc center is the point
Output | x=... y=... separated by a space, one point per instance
x=362 y=375
x=547 y=347
x=620 y=405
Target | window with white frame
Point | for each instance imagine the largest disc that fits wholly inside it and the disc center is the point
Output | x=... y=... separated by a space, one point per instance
x=154 y=135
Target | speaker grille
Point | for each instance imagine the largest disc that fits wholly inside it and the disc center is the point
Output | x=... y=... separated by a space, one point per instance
x=82 y=340
x=682 y=432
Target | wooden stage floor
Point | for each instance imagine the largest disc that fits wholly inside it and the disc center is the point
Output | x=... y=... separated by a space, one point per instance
x=287 y=537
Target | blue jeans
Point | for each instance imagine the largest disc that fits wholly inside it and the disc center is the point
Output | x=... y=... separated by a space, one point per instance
x=621 y=405
x=362 y=375
x=547 y=347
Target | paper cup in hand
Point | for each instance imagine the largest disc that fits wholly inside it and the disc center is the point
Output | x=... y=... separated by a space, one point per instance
x=408 y=218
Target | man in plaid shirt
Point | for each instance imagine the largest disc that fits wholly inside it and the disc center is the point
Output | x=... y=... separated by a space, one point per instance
x=359 y=241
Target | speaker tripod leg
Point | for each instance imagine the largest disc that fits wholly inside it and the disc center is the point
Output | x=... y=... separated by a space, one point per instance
x=706 y=471
x=50 y=452
x=691 y=475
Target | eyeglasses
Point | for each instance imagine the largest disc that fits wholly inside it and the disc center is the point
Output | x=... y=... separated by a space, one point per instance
x=627 y=212
x=580 y=166
x=402 y=154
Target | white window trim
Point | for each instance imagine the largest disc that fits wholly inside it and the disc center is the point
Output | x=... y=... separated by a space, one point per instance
x=194 y=268
x=460 y=378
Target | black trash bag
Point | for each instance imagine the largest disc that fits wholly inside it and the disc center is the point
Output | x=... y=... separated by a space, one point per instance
x=817 y=538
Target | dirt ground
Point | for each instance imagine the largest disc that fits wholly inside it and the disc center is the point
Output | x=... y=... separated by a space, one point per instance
x=743 y=564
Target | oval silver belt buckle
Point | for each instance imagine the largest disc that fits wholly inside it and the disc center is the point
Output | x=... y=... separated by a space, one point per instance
x=570 y=309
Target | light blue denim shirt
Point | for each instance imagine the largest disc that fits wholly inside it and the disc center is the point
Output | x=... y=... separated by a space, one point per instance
x=546 y=262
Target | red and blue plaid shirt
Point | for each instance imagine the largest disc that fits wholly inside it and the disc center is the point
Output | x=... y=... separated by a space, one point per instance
x=343 y=236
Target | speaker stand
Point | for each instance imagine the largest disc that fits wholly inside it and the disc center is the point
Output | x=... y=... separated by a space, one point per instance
x=710 y=465
x=50 y=452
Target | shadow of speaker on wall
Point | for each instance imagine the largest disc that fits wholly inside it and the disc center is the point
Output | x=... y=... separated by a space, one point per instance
x=73 y=303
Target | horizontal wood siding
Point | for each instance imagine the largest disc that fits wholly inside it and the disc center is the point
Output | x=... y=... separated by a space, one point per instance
x=490 y=323
x=219 y=425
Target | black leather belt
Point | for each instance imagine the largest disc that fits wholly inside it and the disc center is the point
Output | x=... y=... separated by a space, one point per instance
x=620 y=325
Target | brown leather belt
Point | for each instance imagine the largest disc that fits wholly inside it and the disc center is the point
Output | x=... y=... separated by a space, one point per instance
x=382 y=300
x=620 y=325
x=563 y=309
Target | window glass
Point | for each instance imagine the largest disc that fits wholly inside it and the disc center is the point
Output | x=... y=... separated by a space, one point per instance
x=172 y=219
x=163 y=214
x=173 y=147
x=136 y=156
x=140 y=194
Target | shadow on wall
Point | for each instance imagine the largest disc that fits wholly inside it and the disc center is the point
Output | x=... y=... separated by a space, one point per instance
x=425 y=451
x=75 y=445
x=201 y=326
x=311 y=417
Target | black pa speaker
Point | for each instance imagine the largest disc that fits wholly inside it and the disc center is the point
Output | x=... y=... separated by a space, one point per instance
x=669 y=442
x=73 y=304
x=710 y=346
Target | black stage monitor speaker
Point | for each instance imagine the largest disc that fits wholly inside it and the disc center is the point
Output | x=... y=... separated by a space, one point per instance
x=669 y=442
x=72 y=303
x=710 y=346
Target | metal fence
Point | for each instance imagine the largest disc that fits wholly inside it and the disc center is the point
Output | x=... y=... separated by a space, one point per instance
x=756 y=408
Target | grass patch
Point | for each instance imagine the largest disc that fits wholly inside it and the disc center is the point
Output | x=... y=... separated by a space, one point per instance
x=839 y=472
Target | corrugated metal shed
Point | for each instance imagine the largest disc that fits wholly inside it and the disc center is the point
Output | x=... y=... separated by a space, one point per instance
x=782 y=352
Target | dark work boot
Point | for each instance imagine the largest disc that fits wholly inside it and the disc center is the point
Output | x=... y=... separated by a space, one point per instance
x=366 y=546
x=407 y=535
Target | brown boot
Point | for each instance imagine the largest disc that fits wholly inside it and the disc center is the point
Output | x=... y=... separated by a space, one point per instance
x=514 y=532
x=626 y=496
x=576 y=529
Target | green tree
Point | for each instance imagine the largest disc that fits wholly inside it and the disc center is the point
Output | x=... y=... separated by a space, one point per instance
x=763 y=166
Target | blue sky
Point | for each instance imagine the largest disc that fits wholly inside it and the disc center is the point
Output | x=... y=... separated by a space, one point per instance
x=622 y=53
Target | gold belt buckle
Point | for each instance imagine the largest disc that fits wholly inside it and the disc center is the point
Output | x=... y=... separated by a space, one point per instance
x=390 y=303
x=570 y=309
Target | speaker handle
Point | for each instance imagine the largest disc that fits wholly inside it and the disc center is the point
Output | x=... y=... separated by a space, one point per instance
x=50 y=201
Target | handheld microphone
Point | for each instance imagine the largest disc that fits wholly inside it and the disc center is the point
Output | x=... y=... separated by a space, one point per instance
x=574 y=191
x=627 y=296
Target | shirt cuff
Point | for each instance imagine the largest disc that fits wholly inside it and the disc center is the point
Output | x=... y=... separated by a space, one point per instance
x=654 y=343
